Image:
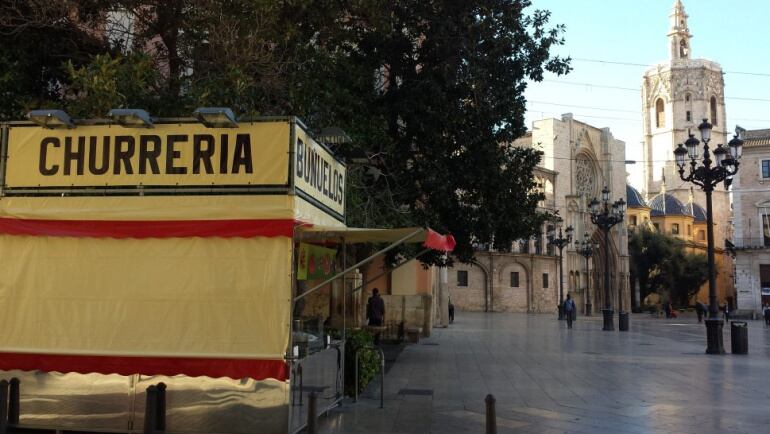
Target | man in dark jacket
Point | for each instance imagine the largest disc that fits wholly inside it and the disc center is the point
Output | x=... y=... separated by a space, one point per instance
x=375 y=312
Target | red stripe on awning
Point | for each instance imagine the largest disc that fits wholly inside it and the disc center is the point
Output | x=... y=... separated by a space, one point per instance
x=124 y=365
x=148 y=229
x=436 y=241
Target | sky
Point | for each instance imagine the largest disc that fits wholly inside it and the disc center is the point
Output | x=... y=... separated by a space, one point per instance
x=734 y=34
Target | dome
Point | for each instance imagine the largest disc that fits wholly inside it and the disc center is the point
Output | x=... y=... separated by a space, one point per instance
x=633 y=198
x=697 y=212
x=666 y=204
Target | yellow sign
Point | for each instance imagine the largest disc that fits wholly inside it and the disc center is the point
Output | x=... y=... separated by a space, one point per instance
x=165 y=155
x=318 y=176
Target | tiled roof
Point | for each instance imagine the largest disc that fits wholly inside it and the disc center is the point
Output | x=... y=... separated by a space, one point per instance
x=696 y=211
x=633 y=198
x=753 y=138
x=665 y=204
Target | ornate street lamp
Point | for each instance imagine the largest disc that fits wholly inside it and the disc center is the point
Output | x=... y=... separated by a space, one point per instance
x=587 y=248
x=702 y=174
x=560 y=243
x=605 y=215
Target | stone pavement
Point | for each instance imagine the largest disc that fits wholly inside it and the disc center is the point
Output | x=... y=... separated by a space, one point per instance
x=547 y=379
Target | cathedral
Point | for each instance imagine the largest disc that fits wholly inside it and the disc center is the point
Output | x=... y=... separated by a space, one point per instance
x=579 y=160
x=676 y=97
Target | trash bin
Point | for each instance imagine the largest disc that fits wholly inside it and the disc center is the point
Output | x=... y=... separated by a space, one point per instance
x=623 y=321
x=739 y=337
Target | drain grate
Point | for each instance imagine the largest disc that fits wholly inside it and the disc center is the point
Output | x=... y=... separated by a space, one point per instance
x=418 y=392
x=430 y=343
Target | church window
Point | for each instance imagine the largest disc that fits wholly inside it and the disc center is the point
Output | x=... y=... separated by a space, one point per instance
x=713 y=110
x=633 y=220
x=766 y=168
x=675 y=229
x=545 y=280
x=514 y=279
x=682 y=48
x=689 y=230
x=766 y=229
x=701 y=235
x=657 y=227
x=687 y=98
x=462 y=278
x=585 y=176
x=660 y=114
x=689 y=116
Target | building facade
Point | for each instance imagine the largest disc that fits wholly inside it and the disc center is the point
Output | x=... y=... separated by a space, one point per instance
x=751 y=202
x=578 y=161
x=687 y=222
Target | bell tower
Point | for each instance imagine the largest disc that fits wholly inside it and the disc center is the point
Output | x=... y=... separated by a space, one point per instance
x=676 y=96
x=679 y=35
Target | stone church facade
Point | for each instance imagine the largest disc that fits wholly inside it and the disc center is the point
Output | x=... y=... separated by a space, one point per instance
x=578 y=161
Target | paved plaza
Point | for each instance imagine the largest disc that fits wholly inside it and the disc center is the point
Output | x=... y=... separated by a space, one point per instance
x=547 y=379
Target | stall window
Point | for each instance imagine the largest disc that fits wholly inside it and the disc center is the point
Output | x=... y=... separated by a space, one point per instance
x=514 y=279
x=675 y=229
x=545 y=280
x=462 y=278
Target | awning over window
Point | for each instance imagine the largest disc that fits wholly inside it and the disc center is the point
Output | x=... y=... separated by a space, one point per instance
x=428 y=237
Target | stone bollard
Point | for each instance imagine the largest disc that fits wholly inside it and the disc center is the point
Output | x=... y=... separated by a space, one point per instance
x=14 y=402
x=311 y=413
x=491 y=418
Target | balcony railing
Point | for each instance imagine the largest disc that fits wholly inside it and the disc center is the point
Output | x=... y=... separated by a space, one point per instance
x=752 y=243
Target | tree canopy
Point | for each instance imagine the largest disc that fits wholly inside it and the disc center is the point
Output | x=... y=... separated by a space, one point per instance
x=663 y=265
x=430 y=92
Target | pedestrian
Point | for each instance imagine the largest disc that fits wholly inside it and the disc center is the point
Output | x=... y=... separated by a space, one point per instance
x=766 y=313
x=375 y=312
x=569 y=309
x=699 y=310
x=667 y=308
x=451 y=312
x=727 y=312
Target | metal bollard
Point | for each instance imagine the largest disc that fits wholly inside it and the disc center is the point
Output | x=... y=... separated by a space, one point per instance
x=491 y=418
x=151 y=411
x=14 y=402
x=160 y=423
x=311 y=413
x=3 y=406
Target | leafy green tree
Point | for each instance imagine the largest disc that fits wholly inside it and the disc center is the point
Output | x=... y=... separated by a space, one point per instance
x=663 y=265
x=431 y=92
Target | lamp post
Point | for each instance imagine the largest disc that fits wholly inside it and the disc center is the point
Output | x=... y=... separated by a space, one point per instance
x=702 y=174
x=560 y=242
x=586 y=249
x=605 y=216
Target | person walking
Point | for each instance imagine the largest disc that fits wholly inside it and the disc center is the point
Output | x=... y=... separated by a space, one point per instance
x=699 y=310
x=569 y=309
x=667 y=309
x=766 y=313
x=375 y=312
x=451 y=312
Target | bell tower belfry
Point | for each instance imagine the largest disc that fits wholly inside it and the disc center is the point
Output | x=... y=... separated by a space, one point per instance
x=676 y=96
x=679 y=35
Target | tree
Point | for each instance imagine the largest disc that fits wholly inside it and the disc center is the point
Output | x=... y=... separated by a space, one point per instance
x=662 y=265
x=431 y=92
